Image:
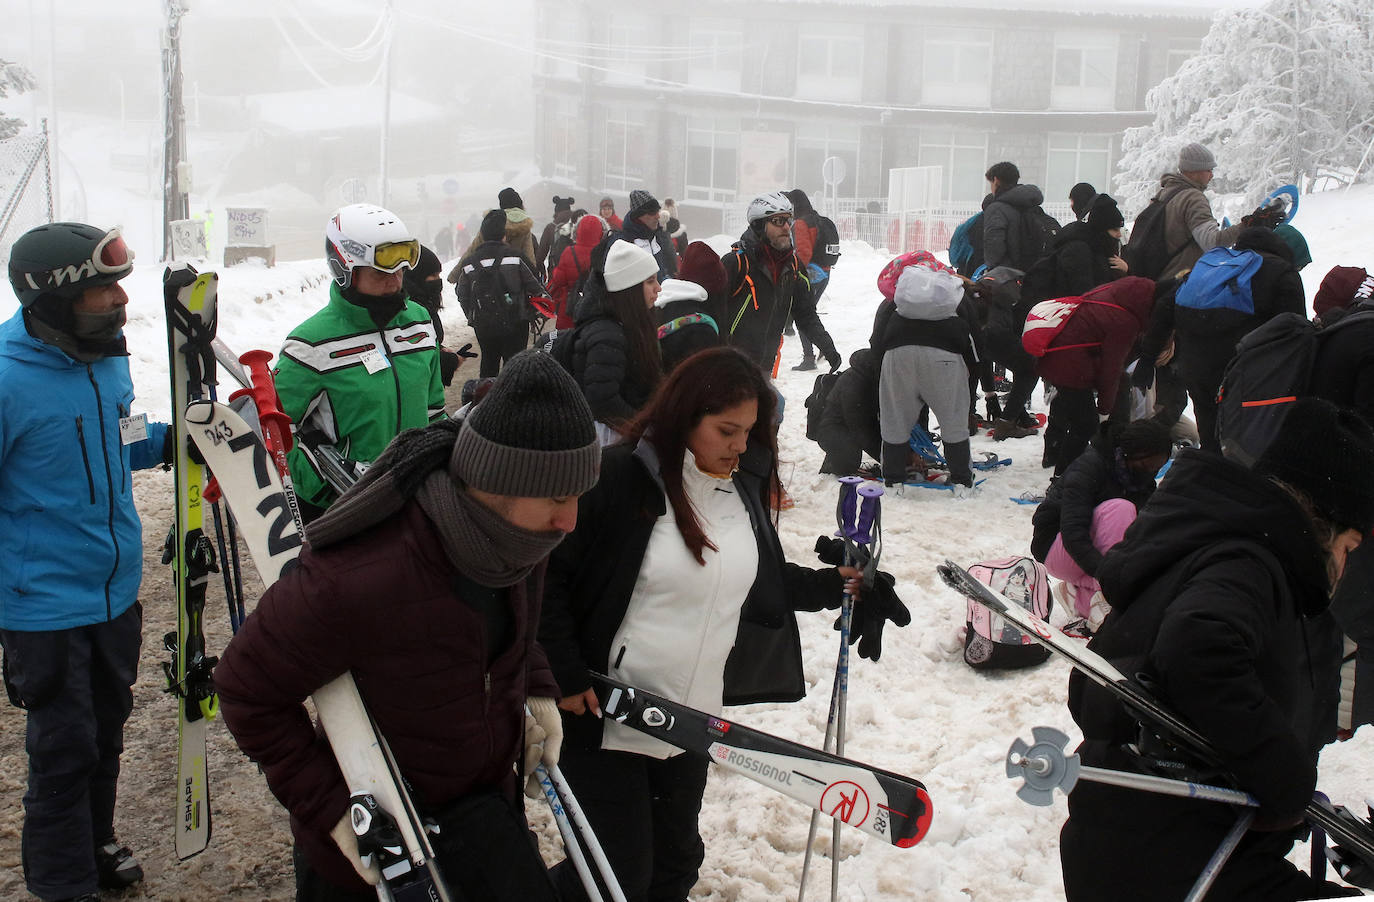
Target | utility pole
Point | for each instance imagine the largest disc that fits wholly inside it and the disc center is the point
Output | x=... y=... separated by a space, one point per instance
x=386 y=95
x=175 y=204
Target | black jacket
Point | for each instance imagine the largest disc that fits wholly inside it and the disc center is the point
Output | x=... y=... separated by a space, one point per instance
x=601 y=360
x=592 y=575
x=1076 y=264
x=1343 y=372
x=685 y=325
x=1002 y=226
x=758 y=305
x=851 y=408
x=655 y=241
x=1218 y=593
x=515 y=279
x=1206 y=339
x=1096 y=476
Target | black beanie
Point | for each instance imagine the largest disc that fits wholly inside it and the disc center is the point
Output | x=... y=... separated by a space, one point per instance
x=494 y=225
x=509 y=199
x=426 y=266
x=531 y=436
x=1104 y=214
x=1327 y=453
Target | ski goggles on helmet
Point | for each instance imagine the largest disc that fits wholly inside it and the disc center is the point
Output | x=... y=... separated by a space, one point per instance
x=111 y=254
x=390 y=256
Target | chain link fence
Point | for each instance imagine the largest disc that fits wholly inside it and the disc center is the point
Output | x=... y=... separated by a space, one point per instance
x=25 y=187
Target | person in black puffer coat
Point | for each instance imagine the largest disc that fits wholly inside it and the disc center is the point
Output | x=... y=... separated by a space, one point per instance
x=1084 y=255
x=615 y=356
x=494 y=288
x=1205 y=340
x=1086 y=511
x=642 y=228
x=1218 y=595
x=849 y=424
x=688 y=307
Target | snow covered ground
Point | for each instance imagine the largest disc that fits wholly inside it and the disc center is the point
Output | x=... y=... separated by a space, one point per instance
x=920 y=710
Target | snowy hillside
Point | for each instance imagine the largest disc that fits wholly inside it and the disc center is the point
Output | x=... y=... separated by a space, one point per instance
x=921 y=710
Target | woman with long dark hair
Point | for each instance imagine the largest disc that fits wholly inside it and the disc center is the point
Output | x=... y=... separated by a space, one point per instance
x=675 y=581
x=615 y=357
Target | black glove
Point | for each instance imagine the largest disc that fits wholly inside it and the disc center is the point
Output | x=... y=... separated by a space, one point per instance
x=1144 y=375
x=877 y=605
x=467 y=352
x=833 y=358
x=1352 y=868
x=1264 y=217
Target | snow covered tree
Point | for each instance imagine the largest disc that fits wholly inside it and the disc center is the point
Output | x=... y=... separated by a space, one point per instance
x=1283 y=93
x=13 y=77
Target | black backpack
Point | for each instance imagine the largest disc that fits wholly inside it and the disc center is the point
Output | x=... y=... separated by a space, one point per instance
x=815 y=402
x=1271 y=369
x=493 y=307
x=1038 y=230
x=1038 y=284
x=1148 y=252
x=827 y=250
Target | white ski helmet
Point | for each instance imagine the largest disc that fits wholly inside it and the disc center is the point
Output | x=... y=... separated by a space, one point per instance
x=367 y=235
x=766 y=205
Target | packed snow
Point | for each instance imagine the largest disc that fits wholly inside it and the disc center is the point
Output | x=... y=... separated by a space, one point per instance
x=920 y=710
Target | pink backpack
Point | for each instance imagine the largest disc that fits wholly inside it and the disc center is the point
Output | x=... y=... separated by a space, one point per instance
x=992 y=643
x=887 y=279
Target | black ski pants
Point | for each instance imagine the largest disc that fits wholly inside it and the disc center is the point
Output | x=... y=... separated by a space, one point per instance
x=644 y=812
x=1005 y=348
x=498 y=347
x=1071 y=425
x=77 y=686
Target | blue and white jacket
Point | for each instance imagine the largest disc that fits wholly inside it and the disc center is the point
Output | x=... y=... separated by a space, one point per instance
x=71 y=545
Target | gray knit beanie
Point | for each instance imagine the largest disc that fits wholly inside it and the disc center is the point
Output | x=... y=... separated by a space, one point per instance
x=1196 y=158
x=531 y=436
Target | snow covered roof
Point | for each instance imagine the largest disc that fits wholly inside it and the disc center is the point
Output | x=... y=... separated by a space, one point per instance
x=1183 y=9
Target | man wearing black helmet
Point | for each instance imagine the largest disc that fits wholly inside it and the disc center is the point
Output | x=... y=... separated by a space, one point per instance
x=366 y=366
x=71 y=542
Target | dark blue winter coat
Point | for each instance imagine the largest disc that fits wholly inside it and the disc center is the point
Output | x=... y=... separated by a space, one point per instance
x=71 y=545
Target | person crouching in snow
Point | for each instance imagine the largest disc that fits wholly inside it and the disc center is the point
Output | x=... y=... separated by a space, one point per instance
x=925 y=343
x=675 y=581
x=688 y=307
x=1219 y=595
x=1086 y=512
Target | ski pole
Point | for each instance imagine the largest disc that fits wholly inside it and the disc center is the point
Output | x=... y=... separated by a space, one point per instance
x=846 y=512
x=565 y=829
x=1221 y=856
x=276 y=425
x=552 y=777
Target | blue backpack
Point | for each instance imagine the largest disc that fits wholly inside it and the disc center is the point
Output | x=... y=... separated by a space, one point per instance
x=962 y=248
x=1220 y=280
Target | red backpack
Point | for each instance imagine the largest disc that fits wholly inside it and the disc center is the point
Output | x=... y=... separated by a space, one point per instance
x=1048 y=318
x=887 y=279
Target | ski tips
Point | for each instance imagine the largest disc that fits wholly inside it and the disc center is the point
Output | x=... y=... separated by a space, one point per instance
x=920 y=823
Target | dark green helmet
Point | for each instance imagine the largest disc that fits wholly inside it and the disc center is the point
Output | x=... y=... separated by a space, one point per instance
x=65 y=258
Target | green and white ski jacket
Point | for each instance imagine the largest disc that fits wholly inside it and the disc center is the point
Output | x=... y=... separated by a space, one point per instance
x=358 y=385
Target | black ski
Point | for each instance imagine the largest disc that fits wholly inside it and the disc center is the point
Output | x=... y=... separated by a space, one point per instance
x=892 y=807
x=1352 y=834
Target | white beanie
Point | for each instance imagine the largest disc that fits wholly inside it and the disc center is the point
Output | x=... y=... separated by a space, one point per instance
x=627 y=265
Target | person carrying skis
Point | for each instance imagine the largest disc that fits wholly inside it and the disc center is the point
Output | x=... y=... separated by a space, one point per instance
x=424 y=582
x=675 y=581
x=366 y=366
x=72 y=546
x=1218 y=595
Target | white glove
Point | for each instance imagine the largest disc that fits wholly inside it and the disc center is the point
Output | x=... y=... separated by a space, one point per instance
x=347 y=841
x=543 y=739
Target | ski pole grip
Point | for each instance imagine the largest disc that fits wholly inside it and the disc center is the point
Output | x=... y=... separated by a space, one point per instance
x=276 y=425
x=847 y=508
x=871 y=503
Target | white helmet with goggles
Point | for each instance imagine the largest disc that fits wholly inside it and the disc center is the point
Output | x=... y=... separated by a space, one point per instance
x=766 y=206
x=367 y=235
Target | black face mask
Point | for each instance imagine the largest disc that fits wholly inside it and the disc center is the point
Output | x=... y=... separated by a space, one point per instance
x=98 y=328
x=382 y=308
x=428 y=294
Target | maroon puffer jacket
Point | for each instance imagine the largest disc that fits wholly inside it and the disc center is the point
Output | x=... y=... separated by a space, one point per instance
x=1110 y=332
x=383 y=605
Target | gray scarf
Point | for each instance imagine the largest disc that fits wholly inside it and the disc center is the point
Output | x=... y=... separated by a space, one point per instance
x=420 y=464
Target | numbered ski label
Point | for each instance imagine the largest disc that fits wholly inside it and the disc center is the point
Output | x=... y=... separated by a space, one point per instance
x=894 y=808
x=1350 y=832
x=246 y=475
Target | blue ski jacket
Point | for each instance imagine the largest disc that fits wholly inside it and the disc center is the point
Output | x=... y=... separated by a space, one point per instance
x=71 y=545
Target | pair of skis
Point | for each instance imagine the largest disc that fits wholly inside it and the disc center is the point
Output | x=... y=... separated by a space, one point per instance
x=1354 y=837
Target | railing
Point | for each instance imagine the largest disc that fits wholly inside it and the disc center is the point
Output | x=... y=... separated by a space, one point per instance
x=25 y=187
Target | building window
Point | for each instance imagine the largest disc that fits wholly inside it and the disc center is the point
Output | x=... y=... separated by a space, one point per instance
x=1084 y=72
x=558 y=55
x=625 y=148
x=956 y=68
x=816 y=142
x=628 y=50
x=1180 y=51
x=716 y=60
x=563 y=126
x=1077 y=158
x=964 y=158
x=712 y=171
x=830 y=62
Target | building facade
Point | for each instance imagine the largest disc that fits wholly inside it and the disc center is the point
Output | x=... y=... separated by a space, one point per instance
x=714 y=107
